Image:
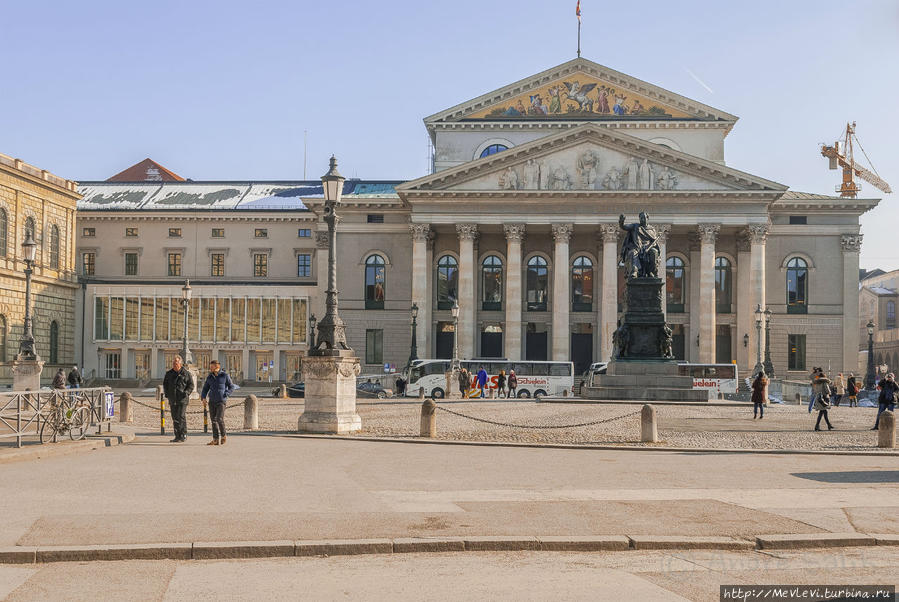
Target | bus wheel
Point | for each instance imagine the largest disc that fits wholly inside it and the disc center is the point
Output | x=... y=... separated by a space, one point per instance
x=437 y=393
x=539 y=393
x=524 y=394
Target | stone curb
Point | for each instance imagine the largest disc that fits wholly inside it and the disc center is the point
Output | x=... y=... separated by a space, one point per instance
x=49 y=450
x=501 y=543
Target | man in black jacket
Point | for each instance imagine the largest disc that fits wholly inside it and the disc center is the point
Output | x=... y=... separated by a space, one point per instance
x=178 y=385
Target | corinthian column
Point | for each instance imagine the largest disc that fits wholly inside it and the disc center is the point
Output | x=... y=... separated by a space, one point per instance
x=708 y=235
x=608 y=316
x=758 y=234
x=468 y=234
x=745 y=309
x=851 y=245
x=420 y=234
x=561 y=304
x=512 y=338
x=663 y=230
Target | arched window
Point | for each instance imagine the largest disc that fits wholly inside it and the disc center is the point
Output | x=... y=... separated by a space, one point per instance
x=797 y=286
x=537 y=281
x=891 y=314
x=493 y=149
x=582 y=284
x=675 y=284
x=723 y=285
x=492 y=283
x=4 y=224
x=54 y=342
x=447 y=281
x=375 y=283
x=54 y=247
x=2 y=338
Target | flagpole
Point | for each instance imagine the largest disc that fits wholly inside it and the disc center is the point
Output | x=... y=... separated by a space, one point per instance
x=579 y=37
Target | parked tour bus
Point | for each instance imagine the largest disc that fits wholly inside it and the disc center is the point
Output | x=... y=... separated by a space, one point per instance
x=716 y=378
x=534 y=378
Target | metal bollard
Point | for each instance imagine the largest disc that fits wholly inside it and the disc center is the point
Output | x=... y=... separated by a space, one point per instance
x=421 y=394
x=205 y=417
x=429 y=419
x=160 y=393
x=282 y=392
x=162 y=416
x=126 y=408
x=798 y=399
x=648 y=430
x=251 y=413
x=886 y=430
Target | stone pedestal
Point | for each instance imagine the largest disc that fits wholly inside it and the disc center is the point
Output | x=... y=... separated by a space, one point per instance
x=643 y=331
x=27 y=375
x=330 y=398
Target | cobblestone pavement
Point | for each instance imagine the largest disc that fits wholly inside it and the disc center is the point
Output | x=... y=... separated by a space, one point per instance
x=784 y=426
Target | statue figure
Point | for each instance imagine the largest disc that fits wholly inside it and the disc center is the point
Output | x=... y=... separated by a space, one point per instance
x=612 y=180
x=666 y=341
x=667 y=179
x=646 y=182
x=640 y=249
x=621 y=339
x=632 y=171
x=509 y=179
x=587 y=169
x=559 y=179
x=532 y=175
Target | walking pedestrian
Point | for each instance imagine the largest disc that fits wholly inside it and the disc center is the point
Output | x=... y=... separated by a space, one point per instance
x=59 y=379
x=482 y=381
x=821 y=391
x=464 y=381
x=889 y=391
x=759 y=389
x=400 y=386
x=501 y=385
x=218 y=387
x=177 y=386
x=852 y=390
x=841 y=389
x=513 y=383
x=74 y=378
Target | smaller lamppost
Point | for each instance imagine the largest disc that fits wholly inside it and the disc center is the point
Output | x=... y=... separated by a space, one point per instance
x=869 y=377
x=185 y=302
x=413 y=352
x=769 y=367
x=26 y=346
x=312 y=331
x=455 y=312
x=759 y=367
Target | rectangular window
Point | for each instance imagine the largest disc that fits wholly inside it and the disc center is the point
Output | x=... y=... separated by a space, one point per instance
x=217 y=264
x=222 y=319
x=218 y=233
x=268 y=320
x=162 y=318
x=193 y=319
x=131 y=264
x=88 y=264
x=101 y=318
x=260 y=264
x=299 y=321
x=238 y=320
x=132 y=313
x=304 y=233
x=374 y=346
x=88 y=232
x=130 y=232
x=284 y=321
x=174 y=232
x=799 y=219
x=304 y=265
x=174 y=264
x=375 y=218
x=796 y=352
x=177 y=324
x=116 y=318
x=253 y=333
x=207 y=332
x=260 y=233
x=146 y=318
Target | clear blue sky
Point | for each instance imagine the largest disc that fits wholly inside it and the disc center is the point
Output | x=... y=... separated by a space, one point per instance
x=224 y=90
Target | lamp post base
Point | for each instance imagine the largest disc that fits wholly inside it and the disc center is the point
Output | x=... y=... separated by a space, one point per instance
x=330 y=397
x=27 y=375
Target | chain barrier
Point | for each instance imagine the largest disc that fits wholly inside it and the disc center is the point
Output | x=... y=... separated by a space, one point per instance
x=156 y=407
x=533 y=426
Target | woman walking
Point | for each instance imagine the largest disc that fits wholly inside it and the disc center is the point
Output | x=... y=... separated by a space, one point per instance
x=464 y=380
x=501 y=385
x=759 y=389
x=841 y=389
x=821 y=390
x=852 y=390
x=513 y=383
x=889 y=391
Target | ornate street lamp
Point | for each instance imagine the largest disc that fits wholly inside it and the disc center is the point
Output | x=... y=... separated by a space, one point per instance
x=185 y=302
x=26 y=346
x=413 y=352
x=869 y=377
x=758 y=348
x=455 y=312
x=331 y=329
x=312 y=331
x=769 y=367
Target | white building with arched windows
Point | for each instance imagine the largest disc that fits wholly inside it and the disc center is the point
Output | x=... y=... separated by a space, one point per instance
x=517 y=223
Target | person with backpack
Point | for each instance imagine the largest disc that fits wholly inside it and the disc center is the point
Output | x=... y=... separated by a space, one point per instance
x=821 y=392
x=889 y=391
x=852 y=390
x=464 y=382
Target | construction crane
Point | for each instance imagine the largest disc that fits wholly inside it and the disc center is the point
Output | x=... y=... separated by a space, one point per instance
x=849 y=188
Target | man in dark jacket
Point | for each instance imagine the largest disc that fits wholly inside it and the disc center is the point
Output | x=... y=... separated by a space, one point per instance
x=178 y=385
x=59 y=380
x=216 y=389
x=889 y=391
x=74 y=378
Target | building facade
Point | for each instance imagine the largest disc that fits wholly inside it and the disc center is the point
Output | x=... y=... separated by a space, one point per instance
x=36 y=201
x=518 y=224
x=877 y=302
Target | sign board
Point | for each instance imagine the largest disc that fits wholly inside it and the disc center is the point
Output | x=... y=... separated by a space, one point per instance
x=109 y=400
x=386 y=368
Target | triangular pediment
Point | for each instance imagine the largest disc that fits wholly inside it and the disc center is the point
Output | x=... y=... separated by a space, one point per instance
x=581 y=90
x=591 y=158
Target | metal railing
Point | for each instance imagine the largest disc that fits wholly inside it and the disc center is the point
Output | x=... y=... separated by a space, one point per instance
x=21 y=412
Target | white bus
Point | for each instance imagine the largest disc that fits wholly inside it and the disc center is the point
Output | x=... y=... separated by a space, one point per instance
x=534 y=378
x=715 y=378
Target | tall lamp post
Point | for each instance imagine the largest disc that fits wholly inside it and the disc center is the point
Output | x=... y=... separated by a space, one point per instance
x=27 y=351
x=869 y=377
x=758 y=348
x=413 y=352
x=312 y=331
x=769 y=366
x=185 y=302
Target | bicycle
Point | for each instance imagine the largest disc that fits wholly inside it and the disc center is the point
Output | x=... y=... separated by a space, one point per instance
x=64 y=418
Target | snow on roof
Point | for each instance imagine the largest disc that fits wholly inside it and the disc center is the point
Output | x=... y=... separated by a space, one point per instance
x=880 y=290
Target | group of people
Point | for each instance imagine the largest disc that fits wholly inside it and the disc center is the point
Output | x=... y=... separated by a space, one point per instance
x=72 y=381
x=506 y=386
x=825 y=393
x=178 y=384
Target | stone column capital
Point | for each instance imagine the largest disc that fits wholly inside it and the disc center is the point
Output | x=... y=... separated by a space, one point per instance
x=420 y=232
x=514 y=232
x=851 y=243
x=321 y=240
x=744 y=241
x=757 y=233
x=608 y=232
x=467 y=231
x=562 y=232
x=664 y=231
x=708 y=233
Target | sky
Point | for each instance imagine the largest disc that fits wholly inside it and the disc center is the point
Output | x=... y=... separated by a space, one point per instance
x=226 y=90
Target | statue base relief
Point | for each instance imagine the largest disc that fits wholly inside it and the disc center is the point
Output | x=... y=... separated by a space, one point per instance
x=330 y=398
x=27 y=375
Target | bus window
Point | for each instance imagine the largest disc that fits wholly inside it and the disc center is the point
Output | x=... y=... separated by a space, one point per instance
x=560 y=370
x=520 y=369
x=540 y=369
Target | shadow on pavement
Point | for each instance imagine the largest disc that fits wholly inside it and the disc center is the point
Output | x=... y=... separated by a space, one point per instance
x=860 y=476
